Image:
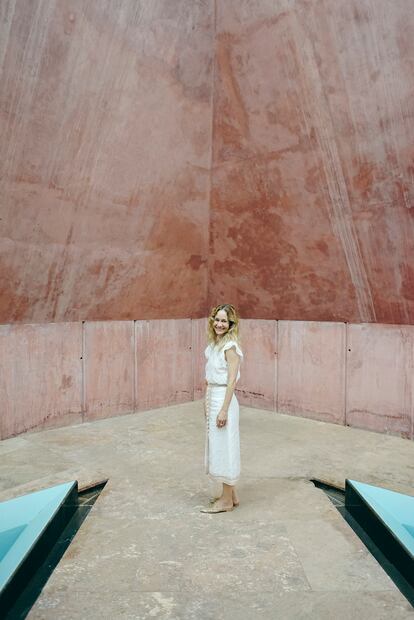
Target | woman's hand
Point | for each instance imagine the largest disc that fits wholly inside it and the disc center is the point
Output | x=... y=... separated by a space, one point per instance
x=221 y=418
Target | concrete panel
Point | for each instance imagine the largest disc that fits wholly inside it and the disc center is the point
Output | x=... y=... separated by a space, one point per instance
x=380 y=378
x=40 y=376
x=104 y=159
x=312 y=160
x=199 y=343
x=164 y=362
x=311 y=370
x=257 y=385
x=109 y=358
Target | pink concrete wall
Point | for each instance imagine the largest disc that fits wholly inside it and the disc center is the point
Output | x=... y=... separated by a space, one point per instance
x=40 y=376
x=199 y=343
x=109 y=363
x=104 y=159
x=64 y=373
x=164 y=362
x=258 y=376
x=311 y=370
x=312 y=199
x=380 y=378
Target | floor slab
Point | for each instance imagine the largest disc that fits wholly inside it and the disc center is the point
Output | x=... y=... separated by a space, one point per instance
x=146 y=550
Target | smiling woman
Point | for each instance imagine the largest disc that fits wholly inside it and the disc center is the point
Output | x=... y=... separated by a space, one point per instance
x=222 y=453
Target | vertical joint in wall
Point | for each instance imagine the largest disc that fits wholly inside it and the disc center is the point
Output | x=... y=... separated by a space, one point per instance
x=135 y=366
x=346 y=373
x=83 y=358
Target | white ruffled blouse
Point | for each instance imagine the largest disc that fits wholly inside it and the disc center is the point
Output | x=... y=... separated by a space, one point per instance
x=216 y=366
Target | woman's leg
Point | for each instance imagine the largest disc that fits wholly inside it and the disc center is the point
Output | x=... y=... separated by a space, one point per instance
x=227 y=497
x=219 y=495
x=223 y=452
x=225 y=502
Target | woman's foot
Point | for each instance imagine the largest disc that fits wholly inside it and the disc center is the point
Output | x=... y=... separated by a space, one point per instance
x=235 y=499
x=219 y=506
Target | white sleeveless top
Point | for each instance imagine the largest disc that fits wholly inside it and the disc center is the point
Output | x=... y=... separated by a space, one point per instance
x=216 y=366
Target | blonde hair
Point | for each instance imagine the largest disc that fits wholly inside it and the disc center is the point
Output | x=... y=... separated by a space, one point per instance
x=233 y=331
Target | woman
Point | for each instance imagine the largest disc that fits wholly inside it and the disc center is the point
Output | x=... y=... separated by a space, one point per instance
x=222 y=456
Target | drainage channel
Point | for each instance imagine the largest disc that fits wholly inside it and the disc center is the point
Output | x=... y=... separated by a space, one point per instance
x=337 y=497
x=42 y=568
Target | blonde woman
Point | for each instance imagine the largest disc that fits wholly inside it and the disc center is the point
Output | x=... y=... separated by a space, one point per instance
x=222 y=455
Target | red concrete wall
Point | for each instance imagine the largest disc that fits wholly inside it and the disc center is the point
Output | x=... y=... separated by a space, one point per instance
x=105 y=125
x=312 y=200
x=113 y=175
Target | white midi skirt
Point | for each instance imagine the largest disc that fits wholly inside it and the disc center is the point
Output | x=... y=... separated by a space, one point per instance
x=222 y=451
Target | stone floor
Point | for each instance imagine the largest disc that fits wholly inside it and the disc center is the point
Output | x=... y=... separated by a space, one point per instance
x=146 y=551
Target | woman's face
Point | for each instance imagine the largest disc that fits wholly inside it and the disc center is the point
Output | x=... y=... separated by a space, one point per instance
x=221 y=323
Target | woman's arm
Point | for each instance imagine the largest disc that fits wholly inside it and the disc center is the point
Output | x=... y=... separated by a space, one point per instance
x=233 y=363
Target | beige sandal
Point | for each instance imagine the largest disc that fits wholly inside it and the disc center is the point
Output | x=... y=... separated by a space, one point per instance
x=213 y=511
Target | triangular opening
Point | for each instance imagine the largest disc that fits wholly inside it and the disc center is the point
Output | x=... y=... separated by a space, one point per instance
x=396 y=511
x=24 y=521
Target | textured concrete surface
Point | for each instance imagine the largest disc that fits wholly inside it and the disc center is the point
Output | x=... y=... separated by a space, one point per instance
x=41 y=376
x=63 y=373
x=258 y=382
x=164 y=368
x=146 y=551
x=312 y=195
x=311 y=370
x=380 y=378
x=159 y=157
x=109 y=368
x=198 y=346
x=104 y=159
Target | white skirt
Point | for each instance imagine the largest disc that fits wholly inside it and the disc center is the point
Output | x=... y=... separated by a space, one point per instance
x=222 y=451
